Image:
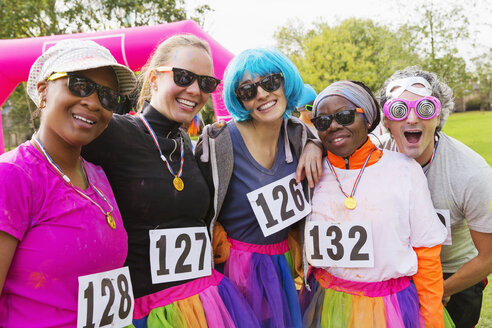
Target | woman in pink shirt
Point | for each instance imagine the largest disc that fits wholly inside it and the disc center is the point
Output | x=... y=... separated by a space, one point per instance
x=59 y=220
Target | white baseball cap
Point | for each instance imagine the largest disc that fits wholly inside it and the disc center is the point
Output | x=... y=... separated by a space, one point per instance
x=73 y=55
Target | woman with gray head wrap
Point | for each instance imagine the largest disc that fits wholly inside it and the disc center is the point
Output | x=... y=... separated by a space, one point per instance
x=355 y=92
x=381 y=201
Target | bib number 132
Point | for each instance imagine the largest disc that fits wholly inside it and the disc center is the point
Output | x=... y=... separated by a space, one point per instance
x=279 y=204
x=345 y=245
x=105 y=299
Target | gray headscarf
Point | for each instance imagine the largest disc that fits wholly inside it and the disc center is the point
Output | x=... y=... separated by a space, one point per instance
x=353 y=93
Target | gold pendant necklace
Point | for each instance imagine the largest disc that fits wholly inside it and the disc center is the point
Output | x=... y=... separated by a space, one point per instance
x=177 y=181
x=350 y=202
x=109 y=218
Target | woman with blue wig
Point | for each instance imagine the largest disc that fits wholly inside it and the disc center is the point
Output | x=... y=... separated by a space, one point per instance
x=251 y=163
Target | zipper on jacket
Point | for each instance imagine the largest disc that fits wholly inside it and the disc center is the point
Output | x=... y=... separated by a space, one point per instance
x=346 y=159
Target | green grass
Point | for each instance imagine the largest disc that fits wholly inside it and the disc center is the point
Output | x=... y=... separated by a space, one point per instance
x=486 y=314
x=474 y=129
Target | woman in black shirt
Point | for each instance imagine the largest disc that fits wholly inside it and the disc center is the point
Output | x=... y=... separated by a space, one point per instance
x=164 y=198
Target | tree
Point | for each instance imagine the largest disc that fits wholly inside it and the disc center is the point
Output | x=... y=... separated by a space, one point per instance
x=434 y=31
x=354 y=49
x=483 y=79
x=207 y=113
x=30 y=18
x=33 y=18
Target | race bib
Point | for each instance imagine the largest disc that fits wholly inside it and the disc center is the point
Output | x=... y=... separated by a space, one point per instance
x=346 y=244
x=446 y=220
x=179 y=254
x=105 y=299
x=279 y=204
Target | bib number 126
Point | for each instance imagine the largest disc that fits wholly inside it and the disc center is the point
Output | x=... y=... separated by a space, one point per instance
x=279 y=204
x=105 y=299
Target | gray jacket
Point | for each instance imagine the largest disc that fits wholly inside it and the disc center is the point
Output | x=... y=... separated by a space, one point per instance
x=214 y=154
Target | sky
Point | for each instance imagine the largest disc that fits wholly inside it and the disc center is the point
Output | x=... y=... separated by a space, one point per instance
x=242 y=24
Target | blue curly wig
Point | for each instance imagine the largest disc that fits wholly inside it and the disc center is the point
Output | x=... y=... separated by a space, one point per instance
x=261 y=62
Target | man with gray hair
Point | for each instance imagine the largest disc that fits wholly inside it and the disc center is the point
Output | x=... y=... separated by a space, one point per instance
x=415 y=106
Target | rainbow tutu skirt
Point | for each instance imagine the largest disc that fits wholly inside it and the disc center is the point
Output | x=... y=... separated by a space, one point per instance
x=263 y=275
x=335 y=302
x=212 y=301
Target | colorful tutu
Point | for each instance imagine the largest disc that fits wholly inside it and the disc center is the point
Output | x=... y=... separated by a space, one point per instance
x=264 y=277
x=212 y=301
x=334 y=302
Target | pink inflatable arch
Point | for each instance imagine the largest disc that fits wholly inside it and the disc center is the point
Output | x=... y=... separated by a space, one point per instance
x=130 y=46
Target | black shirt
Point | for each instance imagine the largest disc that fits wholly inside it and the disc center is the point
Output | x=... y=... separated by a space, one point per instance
x=143 y=185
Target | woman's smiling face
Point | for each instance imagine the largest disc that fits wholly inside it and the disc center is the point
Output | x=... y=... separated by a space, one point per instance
x=339 y=139
x=265 y=106
x=181 y=104
x=76 y=120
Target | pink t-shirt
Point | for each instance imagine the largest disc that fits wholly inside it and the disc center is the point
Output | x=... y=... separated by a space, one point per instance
x=61 y=236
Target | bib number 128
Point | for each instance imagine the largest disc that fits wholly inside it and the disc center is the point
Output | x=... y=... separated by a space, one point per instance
x=105 y=299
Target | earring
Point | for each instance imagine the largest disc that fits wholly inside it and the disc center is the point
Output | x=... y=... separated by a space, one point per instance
x=42 y=104
x=154 y=87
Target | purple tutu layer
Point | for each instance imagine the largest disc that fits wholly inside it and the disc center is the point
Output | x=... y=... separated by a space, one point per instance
x=218 y=303
x=267 y=283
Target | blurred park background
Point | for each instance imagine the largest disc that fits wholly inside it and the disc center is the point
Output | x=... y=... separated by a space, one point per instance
x=440 y=38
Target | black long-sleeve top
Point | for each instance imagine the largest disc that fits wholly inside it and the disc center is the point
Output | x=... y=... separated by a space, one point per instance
x=143 y=186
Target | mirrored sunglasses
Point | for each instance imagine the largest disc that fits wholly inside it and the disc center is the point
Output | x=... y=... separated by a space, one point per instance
x=344 y=117
x=398 y=109
x=184 y=78
x=81 y=86
x=269 y=83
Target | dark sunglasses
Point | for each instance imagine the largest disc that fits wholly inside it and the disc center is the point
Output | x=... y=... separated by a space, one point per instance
x=81 y=86
x=345 y=117
x=184 y=78
x=269 y=83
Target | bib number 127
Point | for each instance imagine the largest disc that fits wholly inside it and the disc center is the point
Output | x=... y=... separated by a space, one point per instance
x=179 y=254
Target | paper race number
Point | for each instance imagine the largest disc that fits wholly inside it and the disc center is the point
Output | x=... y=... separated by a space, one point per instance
x=346 y=244
x=105 y=299
x=179 y=254
x=446 y=220
x=279 y=204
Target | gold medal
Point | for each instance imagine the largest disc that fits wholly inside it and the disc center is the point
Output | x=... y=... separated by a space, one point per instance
x=350 y=203
x=110 y=220
x=178 y=183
